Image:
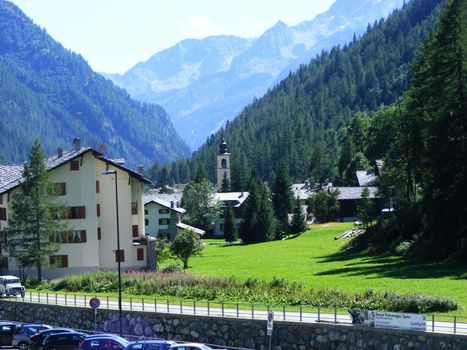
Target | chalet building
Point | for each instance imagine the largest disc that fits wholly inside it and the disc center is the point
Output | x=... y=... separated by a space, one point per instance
x=232 y=200
x=88 y=188
x=163 y=218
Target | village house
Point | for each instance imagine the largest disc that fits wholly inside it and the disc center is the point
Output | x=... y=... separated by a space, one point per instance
x=87 y=182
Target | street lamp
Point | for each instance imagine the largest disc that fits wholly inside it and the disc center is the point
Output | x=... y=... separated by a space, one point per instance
x=108 y=172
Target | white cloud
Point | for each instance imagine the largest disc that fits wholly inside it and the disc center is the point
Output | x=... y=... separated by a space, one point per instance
x=199 y=27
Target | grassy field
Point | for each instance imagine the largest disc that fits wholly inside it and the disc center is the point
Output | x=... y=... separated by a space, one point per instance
x=315 y=259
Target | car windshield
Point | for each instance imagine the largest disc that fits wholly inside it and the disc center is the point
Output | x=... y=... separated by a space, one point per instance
x=12 y=280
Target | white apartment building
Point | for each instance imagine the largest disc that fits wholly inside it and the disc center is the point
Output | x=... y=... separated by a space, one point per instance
x=88 y=189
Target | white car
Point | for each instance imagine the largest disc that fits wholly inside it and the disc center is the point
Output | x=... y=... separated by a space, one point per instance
x=11 y=286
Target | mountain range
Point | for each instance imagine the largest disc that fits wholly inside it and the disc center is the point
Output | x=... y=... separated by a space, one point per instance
x=205 y=83
x=50 y=93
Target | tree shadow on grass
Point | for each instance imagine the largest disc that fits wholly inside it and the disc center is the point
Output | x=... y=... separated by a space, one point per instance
x=378 y=266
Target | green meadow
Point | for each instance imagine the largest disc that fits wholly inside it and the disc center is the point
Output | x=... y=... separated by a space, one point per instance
x=316 y=260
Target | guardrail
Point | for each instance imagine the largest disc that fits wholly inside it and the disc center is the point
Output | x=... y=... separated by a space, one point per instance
x=310 y=314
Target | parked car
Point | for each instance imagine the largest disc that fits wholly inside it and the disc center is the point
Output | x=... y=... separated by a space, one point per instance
x=22 y=337
x=158 y=344
x=104 y=342
x=7 y=330
x=63 y=341
x=37 y=339
x=11 y=286
x=190 y=346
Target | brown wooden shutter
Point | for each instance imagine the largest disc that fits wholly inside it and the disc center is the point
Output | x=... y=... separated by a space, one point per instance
x=140 y=254
x=64 y=260
x=82 y=212
x=98 y=209
x=52 y=260
x=74 y=165
x=83 y=236
x=63 y=188
x=1 y=198
x=120 y=255
x=98 y=233
x=98 y=186
x=135 y=231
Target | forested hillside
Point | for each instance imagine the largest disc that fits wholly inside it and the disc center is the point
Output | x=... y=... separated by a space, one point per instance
x=50 y=93
x=302 y=121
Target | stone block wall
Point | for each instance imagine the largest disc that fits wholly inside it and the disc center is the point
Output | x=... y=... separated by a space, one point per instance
x=229 y=332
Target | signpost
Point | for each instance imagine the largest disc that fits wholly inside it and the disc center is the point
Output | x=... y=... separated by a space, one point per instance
x=269 y=326
x=95 y=303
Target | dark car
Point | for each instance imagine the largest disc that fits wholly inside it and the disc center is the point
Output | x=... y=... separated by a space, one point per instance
x=63 y=341
x=159 y=344
x=104 y=342
x=38 y=338
x=7 y=330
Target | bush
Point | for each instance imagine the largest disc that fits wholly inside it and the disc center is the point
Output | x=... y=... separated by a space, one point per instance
x=174 y=267
x=276 y=292
x=403 y=248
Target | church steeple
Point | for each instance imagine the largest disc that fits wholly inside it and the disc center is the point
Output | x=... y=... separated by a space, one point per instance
x=223 y=164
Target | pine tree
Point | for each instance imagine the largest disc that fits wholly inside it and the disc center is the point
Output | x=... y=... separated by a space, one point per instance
x=365 y=208
x=298 y=224
x=32 y=225
x=282 y=197
x=230 y=229
x=225 y=187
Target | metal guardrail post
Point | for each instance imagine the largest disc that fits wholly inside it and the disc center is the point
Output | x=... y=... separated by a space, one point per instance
x=238 y=311
x=455 y=324
x=155 y=305
x=142 y=304
x=107 y=301
x=335 y=315
x=47 y=297
x=194 y=307
x=209 y=308
x=56 y=299
x=66 y=301
x=181 y=306
x=74 y=296
x=168 y=306
x=39 y=297
x=222 y=308
x=319 y=314
x=301 y=314
x=84 y=300
x=283 y=311
x=131 y=303
x=432 y=323
x=252 y=311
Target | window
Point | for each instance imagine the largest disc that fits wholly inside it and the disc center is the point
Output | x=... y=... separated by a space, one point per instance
x=221 y=227
x=98 y=186
x=163 y=211
x=134 y=208
x=4 y=262
x=58 y=260
x=135 y=230
x=98 y=210
x=146 y=222
x=164 y=221
x=1 y=198
x=120 y=255
x=3 y=214
x=77 y=212
x=146 y=212
x=60 y=189
x=74 y=165
x=140 y=254
x=223 y=163
x=70 y=237
x=99 y=233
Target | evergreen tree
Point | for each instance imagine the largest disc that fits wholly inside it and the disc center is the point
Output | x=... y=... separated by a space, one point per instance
x=323 y=205
x=298 y=224
x=32 y=225
x=365 y=208
x=201 y=175
x=225 y=185
x=282 y=197
x=230 y=228
x=259 y=224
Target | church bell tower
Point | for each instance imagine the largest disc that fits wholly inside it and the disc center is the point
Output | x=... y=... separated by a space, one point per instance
x=223 y=164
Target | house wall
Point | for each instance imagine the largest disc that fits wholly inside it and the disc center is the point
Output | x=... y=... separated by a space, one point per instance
x=96 y=254
x=154 y=229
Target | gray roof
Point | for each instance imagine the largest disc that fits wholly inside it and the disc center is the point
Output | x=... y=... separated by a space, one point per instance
x=348 y=193
x=188 y=227
x=231 y=199
x=167 y=197
x=366 y=178
x=172 y=205
x=11 y=175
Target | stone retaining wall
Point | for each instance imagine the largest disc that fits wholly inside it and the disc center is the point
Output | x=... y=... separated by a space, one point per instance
x=240 y=333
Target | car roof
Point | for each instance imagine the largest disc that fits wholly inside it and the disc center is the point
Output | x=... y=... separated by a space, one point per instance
x=189 y=344
x=106 y=336
x=65 y=333
x=153 y=341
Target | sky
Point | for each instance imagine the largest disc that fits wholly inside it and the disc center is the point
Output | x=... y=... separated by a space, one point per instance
x=114 y=35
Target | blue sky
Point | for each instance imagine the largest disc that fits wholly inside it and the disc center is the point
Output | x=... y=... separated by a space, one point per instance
x=114 y=35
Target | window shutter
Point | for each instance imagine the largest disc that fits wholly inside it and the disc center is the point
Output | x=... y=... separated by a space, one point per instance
x=1 y=198
x=98 y=186
x=74 y=165
x=140 y=254
x=135 y=230
x=63 y=189
x=52 y=260
x=98 y=233
x=83 y=236
x=82 y=212
x=98 y=209
x=120 y=255
x=64 y=260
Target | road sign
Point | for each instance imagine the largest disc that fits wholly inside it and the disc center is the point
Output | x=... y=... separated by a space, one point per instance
x=270 y=323
x=94 y=303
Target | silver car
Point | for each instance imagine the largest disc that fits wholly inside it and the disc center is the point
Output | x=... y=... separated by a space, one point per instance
x=22 y=337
